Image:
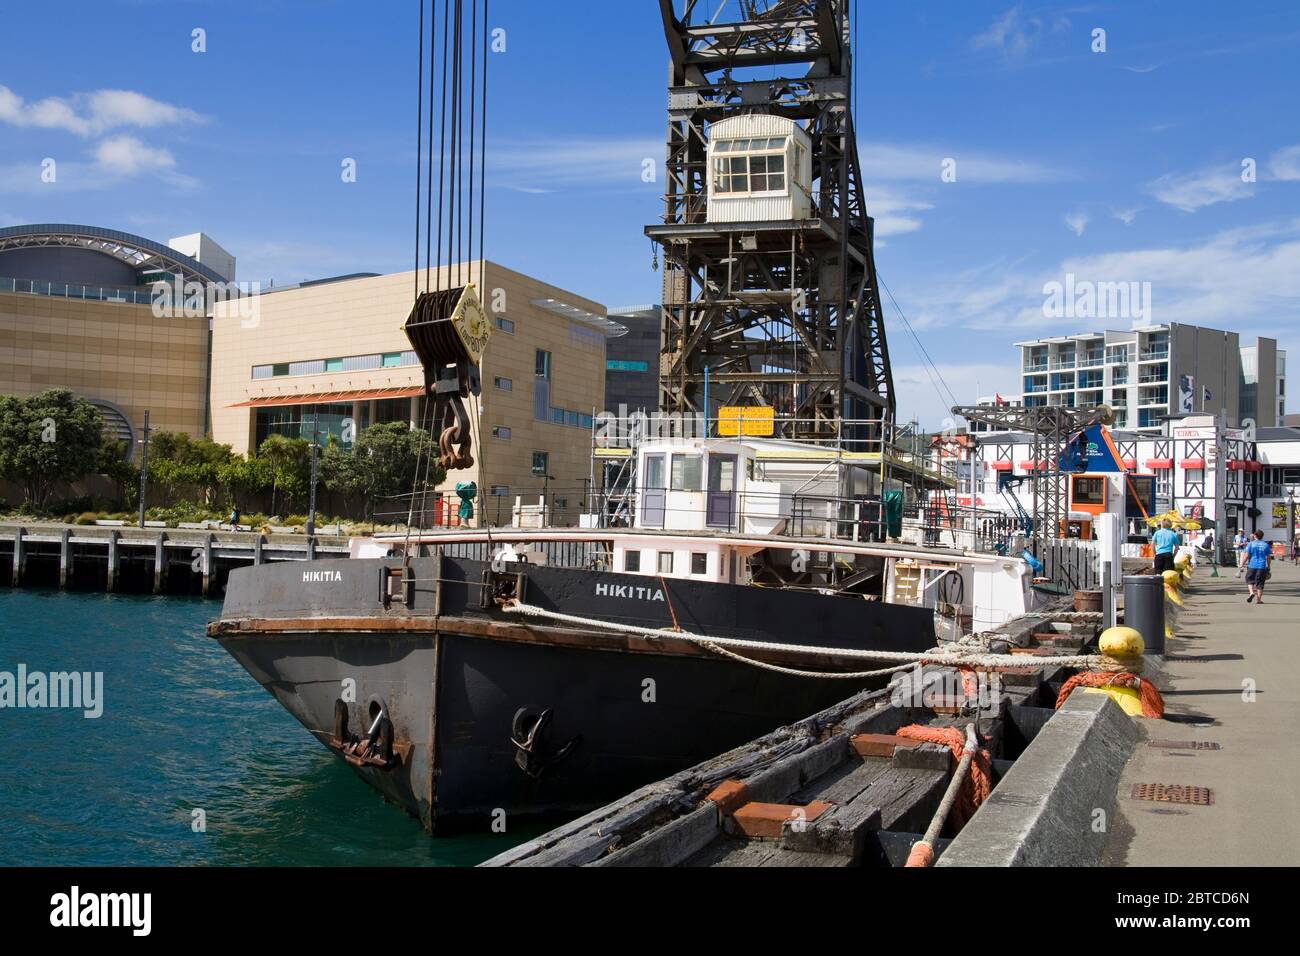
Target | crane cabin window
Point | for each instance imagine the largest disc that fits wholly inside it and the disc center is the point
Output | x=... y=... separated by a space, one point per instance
x=743 y=167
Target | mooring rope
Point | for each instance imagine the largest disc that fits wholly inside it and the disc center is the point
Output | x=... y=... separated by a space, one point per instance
x=726 y=646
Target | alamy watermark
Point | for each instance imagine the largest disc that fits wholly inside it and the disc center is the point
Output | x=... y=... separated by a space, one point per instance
x=1084 y=299
x=629 y=428
x=57 y=690
x=194 y=300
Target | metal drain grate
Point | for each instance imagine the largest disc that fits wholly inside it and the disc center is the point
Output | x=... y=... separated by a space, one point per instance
x=1173 y=793
x=1184 y=745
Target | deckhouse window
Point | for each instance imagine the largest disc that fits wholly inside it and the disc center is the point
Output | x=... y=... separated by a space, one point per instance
x=688 y=473
x=742 y=167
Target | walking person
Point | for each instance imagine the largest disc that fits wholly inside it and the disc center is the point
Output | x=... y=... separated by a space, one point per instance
x=1239 y=542
x=1259 y=559
x=1165 y=541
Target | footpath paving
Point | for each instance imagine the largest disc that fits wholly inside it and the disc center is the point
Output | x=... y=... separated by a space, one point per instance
x=1234 y=680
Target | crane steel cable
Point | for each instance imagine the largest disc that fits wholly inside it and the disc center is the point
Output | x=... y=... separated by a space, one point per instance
x=925 y=352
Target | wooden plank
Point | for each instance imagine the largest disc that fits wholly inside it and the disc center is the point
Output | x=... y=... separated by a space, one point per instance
x=671 y=844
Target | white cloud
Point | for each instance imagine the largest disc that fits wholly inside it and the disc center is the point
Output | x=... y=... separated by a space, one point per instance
x=127 y=156
x=113 y=161
x=534 y=165
x=893 y=211
x=1243 y=279
x=1126 y=216
x=91 y=114
x=1013 y=34
x=1192 y=191
x=925 y=164
x=1076 y=222
x=920 y=397
x=1284 y=164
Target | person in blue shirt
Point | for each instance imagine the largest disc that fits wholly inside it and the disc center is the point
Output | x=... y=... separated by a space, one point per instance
x=1166 y=541
x=1259 y=556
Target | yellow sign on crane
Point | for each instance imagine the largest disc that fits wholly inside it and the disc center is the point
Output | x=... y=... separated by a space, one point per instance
x=750 y=421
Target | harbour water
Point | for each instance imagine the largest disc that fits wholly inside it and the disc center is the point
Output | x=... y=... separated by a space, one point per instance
x=184 y=729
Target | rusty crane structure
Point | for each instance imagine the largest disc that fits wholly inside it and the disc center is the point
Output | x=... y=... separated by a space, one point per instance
x=777 y=310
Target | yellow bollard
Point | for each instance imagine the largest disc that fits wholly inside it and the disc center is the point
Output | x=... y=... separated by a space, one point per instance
x=1124 y=646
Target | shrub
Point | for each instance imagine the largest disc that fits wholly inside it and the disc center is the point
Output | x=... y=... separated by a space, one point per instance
x=87 y=517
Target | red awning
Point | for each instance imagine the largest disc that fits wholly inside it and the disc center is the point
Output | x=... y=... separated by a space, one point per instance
x=1192 y=464
x=329 y=398
x=1131 y=464
x=1000 y=465
x=1241 y=465
x=1160 y=464
x=1027 y=465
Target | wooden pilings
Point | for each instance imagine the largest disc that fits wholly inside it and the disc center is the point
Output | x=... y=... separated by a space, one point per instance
x=207 y=564
x=159 y=563
x=114 y=559
x=183 y=560
x=17 y=579
x=65 y=558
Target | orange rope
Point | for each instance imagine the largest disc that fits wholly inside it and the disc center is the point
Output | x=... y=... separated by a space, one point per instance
x=668 y=596
x=922 y=855
x=979 y=782
x=1153 y=705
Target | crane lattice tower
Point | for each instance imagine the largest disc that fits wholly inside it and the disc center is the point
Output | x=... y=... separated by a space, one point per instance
x=770 y=284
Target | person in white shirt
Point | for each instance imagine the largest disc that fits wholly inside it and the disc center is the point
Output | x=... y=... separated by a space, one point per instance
x=1239 y=543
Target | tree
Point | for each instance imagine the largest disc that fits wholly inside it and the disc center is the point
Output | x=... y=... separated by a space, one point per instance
x=177 y=461
x=287 y=459
x=384 y=463
x=47 y=439
x=242 y=477
x=114 y=465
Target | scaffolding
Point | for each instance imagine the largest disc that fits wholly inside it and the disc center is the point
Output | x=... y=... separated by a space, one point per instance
x=1050 y=428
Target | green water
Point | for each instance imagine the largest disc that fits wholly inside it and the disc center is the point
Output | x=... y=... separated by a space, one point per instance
x=184 y=728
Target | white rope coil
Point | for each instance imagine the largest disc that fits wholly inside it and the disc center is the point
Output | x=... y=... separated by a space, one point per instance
x=726 y=647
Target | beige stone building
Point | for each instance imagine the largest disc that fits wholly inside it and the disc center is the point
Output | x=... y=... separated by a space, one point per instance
x=334 y=353
x=77 y=311
x=117 y=355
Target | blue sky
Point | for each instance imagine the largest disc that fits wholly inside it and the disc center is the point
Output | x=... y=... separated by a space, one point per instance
x=1116 y=166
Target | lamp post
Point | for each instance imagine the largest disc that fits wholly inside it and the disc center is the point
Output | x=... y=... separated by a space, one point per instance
x=1290 y=522
x=315 y=446
x=144 y=466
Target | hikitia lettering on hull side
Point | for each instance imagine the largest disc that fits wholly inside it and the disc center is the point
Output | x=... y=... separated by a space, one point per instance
x=629 y=592
x=318 y=577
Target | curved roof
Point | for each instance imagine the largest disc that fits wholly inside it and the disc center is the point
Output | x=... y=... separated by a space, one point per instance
x=136 y=251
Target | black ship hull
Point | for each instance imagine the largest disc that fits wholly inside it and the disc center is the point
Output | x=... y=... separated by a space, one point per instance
x=493 y=716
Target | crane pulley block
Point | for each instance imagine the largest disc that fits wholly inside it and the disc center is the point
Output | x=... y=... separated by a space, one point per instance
x=449 y=332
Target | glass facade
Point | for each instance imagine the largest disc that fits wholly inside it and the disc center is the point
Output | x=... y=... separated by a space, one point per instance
x=298 y=421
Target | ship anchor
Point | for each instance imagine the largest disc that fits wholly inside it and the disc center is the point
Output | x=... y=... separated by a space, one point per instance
x=528 y=734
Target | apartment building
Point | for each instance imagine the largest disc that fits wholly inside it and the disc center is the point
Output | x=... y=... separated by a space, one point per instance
x=1149 y=373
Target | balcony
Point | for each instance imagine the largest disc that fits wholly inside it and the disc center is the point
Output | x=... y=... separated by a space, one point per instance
x=1092 y=360
x=1064 y=362
x=1155 y=355
x=66 y=290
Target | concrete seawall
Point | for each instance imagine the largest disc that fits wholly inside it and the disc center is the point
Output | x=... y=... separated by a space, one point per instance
x=1054 y=806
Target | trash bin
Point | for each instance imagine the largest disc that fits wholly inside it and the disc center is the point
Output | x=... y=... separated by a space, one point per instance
x=1144 y=609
